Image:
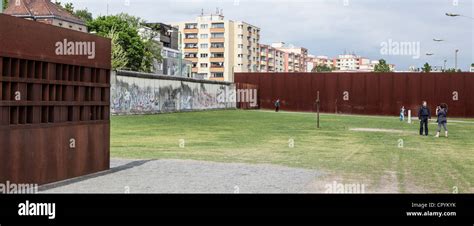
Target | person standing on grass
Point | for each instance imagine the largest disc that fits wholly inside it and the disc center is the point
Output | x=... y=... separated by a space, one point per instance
x=402 y=113
x=424 y=114
x=277 y=105
x=442 y=113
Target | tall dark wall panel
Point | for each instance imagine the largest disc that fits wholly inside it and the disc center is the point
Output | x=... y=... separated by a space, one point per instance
x=368 y=93
x=54 y=121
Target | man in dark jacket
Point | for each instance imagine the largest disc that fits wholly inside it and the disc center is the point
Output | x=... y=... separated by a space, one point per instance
x=424 y=114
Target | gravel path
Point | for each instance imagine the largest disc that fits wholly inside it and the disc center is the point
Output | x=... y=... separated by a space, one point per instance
x=187 y=176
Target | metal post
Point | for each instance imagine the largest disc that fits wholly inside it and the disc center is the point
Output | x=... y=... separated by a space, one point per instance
x=181 y=55
x=317 y=109
x=409 y=116
x=445 y=61
x=456 y=59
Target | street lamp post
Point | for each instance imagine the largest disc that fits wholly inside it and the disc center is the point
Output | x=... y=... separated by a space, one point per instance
x=456 y=59
x=445 y=61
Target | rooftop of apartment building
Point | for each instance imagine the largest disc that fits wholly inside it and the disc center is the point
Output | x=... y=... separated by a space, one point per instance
x=217 y=17
x=40 y=9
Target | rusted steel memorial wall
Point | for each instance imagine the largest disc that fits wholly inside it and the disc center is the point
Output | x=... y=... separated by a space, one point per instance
x=54 y=102
x=364 y=93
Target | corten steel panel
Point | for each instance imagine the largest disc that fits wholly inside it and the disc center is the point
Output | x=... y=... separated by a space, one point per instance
x=372 y=96
x=36 y=133
x=429 y=89
x=386 y=93
x=414 y=91
x=290 y=99
x=399 y=91
x=331 y=96
x=469 y=96
x=16 y=41
x=345 y=88
x=457 y=107
x=278 y=87
x=317 y=84
x=306 y=95
x=383 y=93
x=359 y=93
x=266 y=87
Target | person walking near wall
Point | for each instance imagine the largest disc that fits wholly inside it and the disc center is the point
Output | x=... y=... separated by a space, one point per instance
x=442 y=113
x=277 y=105
x=424 y=114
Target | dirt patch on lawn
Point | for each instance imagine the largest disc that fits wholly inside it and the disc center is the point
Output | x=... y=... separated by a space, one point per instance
x=378 y=130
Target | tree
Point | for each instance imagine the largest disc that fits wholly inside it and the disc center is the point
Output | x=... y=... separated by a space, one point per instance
x=69 y=7
x=84 y=15
x=322 y=68
x=140 y=52
x=426 y=68
x=5 y=4
x=382 y=66
x=119 y=56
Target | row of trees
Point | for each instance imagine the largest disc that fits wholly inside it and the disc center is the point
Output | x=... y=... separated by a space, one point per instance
x=130 y=49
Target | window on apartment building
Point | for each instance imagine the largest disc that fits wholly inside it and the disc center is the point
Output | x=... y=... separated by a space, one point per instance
x=204 y=26
x=240 y=46
x=204 y=36
x=217 y=35
x=240 y=36
x=240 y=55
x=217 y=25
x=204 y=46
x=204 y=65
x=204 y=55
x=241 y=26
x=217 y=75
x=195 y=65
x=217 y=45
x=217 y=55
x=190 y=26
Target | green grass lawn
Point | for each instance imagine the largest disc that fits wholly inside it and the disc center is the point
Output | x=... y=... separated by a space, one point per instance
x=424 y=164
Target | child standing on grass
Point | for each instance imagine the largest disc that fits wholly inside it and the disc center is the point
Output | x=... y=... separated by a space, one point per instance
x=402 y=113
x=442 y=113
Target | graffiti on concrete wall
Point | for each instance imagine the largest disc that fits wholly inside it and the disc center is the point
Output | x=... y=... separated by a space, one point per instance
x=133 y=95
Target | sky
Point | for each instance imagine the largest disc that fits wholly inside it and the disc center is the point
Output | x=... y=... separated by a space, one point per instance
x=376 y=29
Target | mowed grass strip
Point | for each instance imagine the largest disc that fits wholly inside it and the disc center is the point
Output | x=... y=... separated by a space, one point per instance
x=421 y=164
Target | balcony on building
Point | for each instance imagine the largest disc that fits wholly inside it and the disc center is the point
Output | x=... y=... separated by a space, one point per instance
x=191 y=28
x=217 y=47
x=191 y=38
x=217 y=38
x=217 y=67
x=217 y=28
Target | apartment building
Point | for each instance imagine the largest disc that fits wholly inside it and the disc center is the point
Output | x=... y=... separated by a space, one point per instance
x=295 y=58
x=313 y=61
x=218 y=47
x=472 y=68
x=271 y=59
x=352 y=62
